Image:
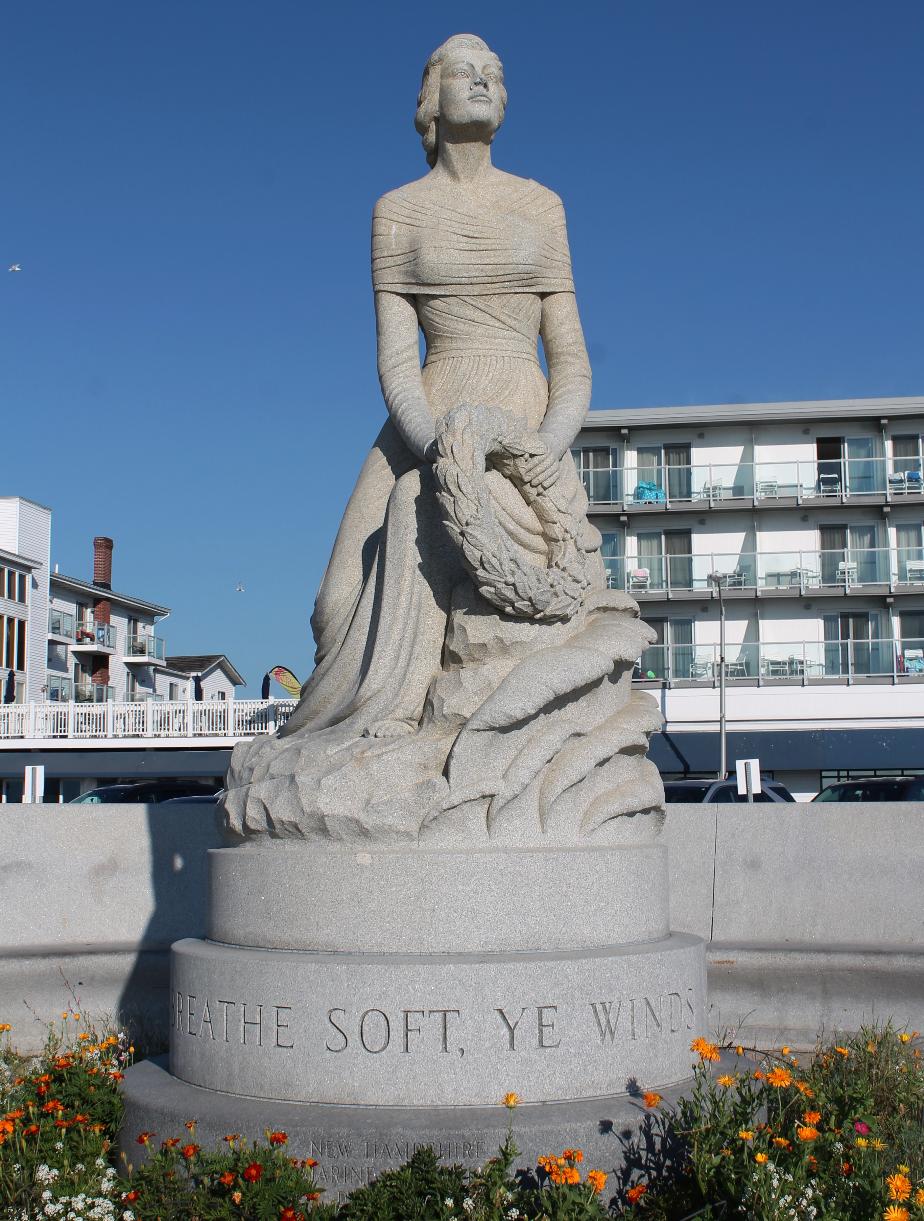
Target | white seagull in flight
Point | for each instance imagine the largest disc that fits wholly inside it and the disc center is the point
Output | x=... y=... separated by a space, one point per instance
x=15 y=267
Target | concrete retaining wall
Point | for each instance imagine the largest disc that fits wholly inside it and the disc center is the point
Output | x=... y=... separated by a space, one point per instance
x=812 y=912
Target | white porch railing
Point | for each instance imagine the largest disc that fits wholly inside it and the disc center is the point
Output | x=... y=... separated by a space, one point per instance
x=146 y=719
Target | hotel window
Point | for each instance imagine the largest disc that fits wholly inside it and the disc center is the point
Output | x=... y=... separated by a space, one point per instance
x=57 y=656
x=654 y=461
x=173 y=691
x=668 y=558
x=906 y=454
x=13 y=642
x=613 y=551
x=598 y=468
x=13 y=585
x=672 y=654
x=854 y=644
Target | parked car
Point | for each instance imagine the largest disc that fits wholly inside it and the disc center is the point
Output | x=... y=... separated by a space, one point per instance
x=197 y=798
x=875 y=788
x=150 y=791
x=724 y=791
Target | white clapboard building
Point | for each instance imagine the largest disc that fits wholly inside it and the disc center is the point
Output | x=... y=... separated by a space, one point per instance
x=87 y=687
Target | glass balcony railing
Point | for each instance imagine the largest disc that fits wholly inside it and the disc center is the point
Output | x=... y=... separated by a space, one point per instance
x=896 y=658
x=845 y=568
x=92 y=693
x=59 y=690
x=147 y=647
x=710 y=483
x=61 y=623
x=91 y=632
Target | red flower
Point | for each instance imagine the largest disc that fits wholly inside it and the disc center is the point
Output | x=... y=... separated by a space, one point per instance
x=634 y=1194
x=129 y=1197
x=253 y=1173
x=144 y=1138
x=190 y=1151
x=277 y=1138
x=226 y=1179
x=170 y=1143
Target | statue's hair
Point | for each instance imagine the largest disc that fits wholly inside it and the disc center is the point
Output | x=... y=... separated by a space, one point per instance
x=427 y=118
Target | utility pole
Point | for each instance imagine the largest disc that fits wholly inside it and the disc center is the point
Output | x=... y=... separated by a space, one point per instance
x=716 y=579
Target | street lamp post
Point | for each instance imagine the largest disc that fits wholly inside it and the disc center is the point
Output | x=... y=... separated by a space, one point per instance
x=716 y=579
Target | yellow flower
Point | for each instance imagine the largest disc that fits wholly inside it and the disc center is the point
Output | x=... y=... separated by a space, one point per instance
x=877 y=1144
x=760 y=1158
x=861 y=1142
x=903 y=1169
x=919 y=1196
x=899 y=1186
x=895 y=1212
x=871 y=1046
x=510 y=1100
x=739 y=1050
x=904 y=1037
x=784 y=1051
x=745 y=1134
x=726 y=1080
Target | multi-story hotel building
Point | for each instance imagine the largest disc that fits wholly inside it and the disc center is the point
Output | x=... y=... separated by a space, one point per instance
x=804 y=522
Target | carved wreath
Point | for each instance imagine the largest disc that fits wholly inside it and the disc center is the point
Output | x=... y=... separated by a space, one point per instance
x=468 y=438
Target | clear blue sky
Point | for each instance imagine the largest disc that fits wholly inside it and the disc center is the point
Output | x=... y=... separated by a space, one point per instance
x=187 y=358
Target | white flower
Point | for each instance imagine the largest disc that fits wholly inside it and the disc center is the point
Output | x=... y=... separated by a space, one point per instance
x=449 y=1202
x=59 y=1145
x=468 y=1204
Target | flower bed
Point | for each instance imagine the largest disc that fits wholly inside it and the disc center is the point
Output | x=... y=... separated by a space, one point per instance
x=838 y=1138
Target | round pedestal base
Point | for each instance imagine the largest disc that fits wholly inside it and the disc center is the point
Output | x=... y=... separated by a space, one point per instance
x=353 y=1145
x=435 y=1029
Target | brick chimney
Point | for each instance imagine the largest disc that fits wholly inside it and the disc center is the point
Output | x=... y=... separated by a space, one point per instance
x=102 y=607
x=102 y=562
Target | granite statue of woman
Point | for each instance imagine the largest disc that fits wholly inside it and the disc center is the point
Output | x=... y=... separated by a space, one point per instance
x=473 y=672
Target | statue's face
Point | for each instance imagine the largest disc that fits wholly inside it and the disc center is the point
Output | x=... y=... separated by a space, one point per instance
x=470 y=89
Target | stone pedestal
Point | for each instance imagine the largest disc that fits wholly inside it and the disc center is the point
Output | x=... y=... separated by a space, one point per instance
x=349 y=986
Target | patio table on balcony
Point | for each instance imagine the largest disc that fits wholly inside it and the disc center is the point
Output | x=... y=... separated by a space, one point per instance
x=776 y=667
x=914 y=572
x=804 y=578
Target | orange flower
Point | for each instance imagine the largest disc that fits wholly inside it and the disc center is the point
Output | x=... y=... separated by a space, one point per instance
x=726 y=1080
x=226 y=1179
x=129 y=1197
x=116 y=1076
x=842 y=1051
x=651 y=1098
x=144 y=1138
x=17 y=1114
x=919 y=1196
x=7 y=1125
x=4 y=1027
x=232 y=1137
x=597 y=1180
x=310 y=1162
x=32 y=1130
x=899 y=1186
x=52 y=1105
x=781 y=1142
x=807 y=1132
x=804 y=1089
x=510 y=1100
x=895 y=1212
x=190 y=1125
x=705 y=1050
x=634 y=1194
x=277 y=1138
x=812 y=1117
x=779 y=1077
x=745 y=1134
x=236 y=1197
x=760 y=1158
x=190 y=1151
x=253 y=1173
x=846 y=1169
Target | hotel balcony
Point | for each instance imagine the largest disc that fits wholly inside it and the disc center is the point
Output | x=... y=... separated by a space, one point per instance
x=842 y=661
x=90 y=637
x=790 y=574
x=92 y=693
x=61 y=625
x=771 y=484
x=146 y=650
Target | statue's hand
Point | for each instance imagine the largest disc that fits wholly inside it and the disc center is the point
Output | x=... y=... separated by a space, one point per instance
x=539 y=468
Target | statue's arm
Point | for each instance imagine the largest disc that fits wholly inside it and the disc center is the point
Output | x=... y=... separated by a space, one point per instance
x=569 y=372
x=399 y=371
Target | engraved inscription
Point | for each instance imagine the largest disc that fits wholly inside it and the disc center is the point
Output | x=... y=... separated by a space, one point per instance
x=643 y=1017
